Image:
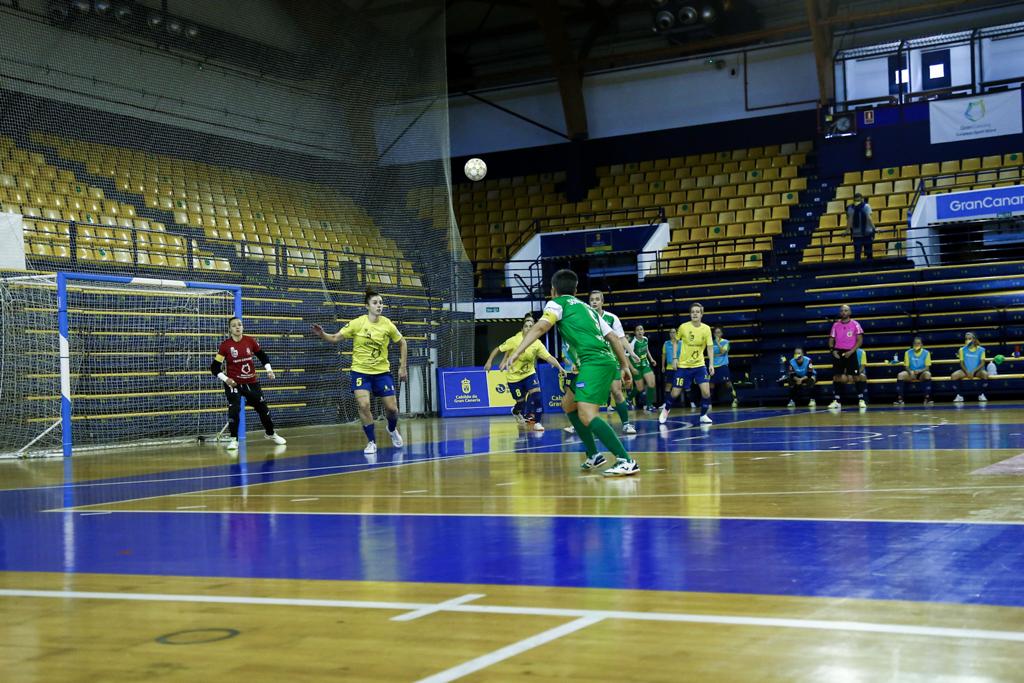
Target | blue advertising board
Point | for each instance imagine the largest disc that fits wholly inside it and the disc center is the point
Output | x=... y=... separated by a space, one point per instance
x=475 y=391
x=989 y=203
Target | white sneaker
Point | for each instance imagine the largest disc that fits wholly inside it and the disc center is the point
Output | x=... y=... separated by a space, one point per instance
x=812 y=403
x=958 y=399
x=276 y=438
x=569 y=430
x=736 y=403
x=622 y=468
x=693 y=406
x=371 y=448
x=232 y=444
x=705 y=419
x=628 y=428
x=862 y=404
x=982 y=398
x=538 y=427
x=835 y=405
x=520 y=418
x=663 y=415
x=791 y=404
x=396 y=439
x=593 y=463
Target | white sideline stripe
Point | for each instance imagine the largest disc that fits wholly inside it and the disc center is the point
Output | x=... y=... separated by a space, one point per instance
x=720 y=619
x=416 y=491
x=508 y=651
x=542 y=515
x=416 y=614
x=302 y=500
x=190 y=507
x=725 y=494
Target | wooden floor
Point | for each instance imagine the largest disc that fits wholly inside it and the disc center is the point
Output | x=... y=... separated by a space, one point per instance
x=778 y=545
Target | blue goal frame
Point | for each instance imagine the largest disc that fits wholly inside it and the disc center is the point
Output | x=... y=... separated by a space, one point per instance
x=66 y=407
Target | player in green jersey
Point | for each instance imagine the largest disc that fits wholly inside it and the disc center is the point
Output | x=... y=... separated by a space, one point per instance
x=643 y=372
x=602 y=360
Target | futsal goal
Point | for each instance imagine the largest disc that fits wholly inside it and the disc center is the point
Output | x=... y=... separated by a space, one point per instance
x=96 y=361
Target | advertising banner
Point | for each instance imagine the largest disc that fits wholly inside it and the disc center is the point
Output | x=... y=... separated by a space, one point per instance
x=971 y=118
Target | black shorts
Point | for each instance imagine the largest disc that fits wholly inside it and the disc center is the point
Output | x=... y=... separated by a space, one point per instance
x=845 y=365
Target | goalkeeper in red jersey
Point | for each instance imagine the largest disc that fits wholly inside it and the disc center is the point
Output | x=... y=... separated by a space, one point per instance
x=235 y=366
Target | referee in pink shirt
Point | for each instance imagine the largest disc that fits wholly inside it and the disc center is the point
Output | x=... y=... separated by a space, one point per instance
x=843 y=341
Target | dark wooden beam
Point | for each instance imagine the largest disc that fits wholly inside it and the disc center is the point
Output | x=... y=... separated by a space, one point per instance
x=566 y=69
x=821 y=43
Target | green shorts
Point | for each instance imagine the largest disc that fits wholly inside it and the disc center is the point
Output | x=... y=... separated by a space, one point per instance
x=594 y=382
x=641 y=370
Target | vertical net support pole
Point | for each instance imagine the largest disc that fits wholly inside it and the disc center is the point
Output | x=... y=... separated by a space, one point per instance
x=65 y=363
x=241 y=401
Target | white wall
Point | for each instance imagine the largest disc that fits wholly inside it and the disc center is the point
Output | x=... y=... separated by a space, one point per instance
x=684 y=93
x=1003 y=58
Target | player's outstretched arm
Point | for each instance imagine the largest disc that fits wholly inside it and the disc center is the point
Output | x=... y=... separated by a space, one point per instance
x=539 y=329
x=319 y=332
x=403 y=357
x=264 y=359
x=490 y=358
x=553 y=362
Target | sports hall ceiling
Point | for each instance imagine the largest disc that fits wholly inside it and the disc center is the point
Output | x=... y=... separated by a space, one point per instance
x=500 y=42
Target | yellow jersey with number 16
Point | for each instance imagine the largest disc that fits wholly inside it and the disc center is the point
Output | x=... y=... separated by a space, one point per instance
x=370 y=343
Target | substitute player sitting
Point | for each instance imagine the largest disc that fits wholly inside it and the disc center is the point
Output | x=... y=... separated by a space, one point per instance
x=240 y=380
x=602 y=360
x=643 y=374
x=972 y=366
x=521 y=376
x=371 y=370
x=917 y=364
x=690 y=369
x=800 y=376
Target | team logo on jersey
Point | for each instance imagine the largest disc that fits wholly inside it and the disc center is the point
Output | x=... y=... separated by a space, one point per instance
x=234 y=352
x=467 y=386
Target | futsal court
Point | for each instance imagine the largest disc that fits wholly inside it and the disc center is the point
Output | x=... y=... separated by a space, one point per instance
x=779 y=544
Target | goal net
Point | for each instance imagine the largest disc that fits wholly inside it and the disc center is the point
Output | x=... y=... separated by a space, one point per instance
x=134 y=367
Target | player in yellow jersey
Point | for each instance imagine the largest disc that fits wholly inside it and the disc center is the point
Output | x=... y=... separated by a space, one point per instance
x=696 y=339
x=521 y=376
x=371 y=369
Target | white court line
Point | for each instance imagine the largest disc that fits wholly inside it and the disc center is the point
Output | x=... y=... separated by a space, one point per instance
x=190 y=507
x=542 y=515
x=413 y=491
x=509 y=651
x=720 y=619
x=303 y=500
x=461 y=600
x=507 y=483
x=101 y=512
x=723 y=494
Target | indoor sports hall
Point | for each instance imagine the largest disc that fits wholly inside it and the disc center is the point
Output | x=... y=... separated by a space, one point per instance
x=432 y=341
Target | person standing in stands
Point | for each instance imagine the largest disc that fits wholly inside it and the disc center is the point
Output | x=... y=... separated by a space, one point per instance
x=843 y=341
x=862 y=228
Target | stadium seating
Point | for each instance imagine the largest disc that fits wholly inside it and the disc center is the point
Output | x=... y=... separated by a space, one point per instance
x=723 y=207
x=891 y=192
x=309 y=228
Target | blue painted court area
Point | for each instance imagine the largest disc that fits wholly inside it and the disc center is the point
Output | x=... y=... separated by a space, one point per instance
x=923 y=561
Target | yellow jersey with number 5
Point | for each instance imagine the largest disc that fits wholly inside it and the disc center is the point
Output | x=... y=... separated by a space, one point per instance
x=370 y=343
x=694 y=340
